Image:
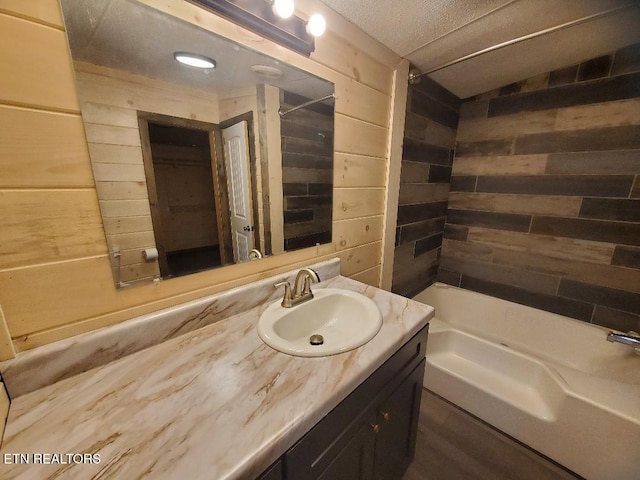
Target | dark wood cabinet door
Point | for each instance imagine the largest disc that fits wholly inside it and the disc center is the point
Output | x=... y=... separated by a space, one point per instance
x=274 y=472
x=355 y=460
x=398 y=426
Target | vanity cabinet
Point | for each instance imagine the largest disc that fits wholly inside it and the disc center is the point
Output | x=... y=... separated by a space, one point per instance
x=371 y=434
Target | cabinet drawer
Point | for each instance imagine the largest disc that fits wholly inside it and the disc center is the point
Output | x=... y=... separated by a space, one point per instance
x=308 y=458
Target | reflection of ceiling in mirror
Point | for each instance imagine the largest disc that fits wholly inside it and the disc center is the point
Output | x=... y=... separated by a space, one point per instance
x=129 y=36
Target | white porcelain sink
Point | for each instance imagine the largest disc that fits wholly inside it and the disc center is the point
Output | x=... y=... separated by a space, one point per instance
x=344 y=319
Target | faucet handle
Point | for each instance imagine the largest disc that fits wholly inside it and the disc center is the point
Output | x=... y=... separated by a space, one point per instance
x=306 y=290
x=286 y=300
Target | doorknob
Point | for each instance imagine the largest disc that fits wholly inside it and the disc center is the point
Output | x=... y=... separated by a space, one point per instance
x=247 y=228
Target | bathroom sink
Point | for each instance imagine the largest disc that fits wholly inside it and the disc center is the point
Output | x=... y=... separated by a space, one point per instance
x=334 y=321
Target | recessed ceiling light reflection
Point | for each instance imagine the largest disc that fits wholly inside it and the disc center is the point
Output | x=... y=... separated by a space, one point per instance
x=194 y=60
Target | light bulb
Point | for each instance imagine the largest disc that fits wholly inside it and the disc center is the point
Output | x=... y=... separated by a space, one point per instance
x=194 y=60
x=283 y=8
x=316 y=25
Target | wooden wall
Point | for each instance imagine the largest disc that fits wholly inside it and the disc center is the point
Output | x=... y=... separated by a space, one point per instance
x=544 y=207
x=307 y=172
x=55 y=276
x=427 y=153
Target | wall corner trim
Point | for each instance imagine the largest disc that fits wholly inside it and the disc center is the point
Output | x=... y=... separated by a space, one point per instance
x=396 y=135
x=7 y=352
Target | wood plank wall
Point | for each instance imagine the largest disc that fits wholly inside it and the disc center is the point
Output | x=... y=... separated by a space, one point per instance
x=55 y=275
x=307 y=172
x=544 y=207
x=427 y=154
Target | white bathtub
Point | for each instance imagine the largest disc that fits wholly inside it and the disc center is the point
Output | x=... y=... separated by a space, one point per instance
x=552 y=382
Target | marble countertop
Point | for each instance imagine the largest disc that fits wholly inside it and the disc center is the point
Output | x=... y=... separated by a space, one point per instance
x=212 y=403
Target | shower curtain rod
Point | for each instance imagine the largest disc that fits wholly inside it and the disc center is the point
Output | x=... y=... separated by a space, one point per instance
x=306 y=104
x=413 y=77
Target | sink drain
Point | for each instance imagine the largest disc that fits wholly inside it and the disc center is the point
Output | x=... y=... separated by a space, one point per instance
x=316 y=339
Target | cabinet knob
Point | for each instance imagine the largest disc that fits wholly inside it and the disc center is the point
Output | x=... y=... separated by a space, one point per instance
x=385 y=415
x=375 y=427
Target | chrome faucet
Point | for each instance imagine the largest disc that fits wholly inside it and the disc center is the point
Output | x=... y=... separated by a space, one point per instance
x=626 y=339
x=301 y=291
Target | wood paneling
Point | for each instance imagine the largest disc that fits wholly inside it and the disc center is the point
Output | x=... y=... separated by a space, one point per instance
x=370 y=276
x=119 y=90
x=429 y=131
x=485 y=148
x=476 y=129
x=358 y=171
x=626 y=257
x=611 y=209
x=456 y=232
x=506 y=275
x=620 y=162
x=563 y=76
x=356 y=260
x=353 y=136
x=44 y=11
x=596 y=230
x=420 y=193
x=606 y=90
x=544 y=209
x=581 y=185
x=608 y=114
x=42 y=149
x=6 y=345
x=48 y=301
x=423 y=229
x=616 y=319
x=439 y=174
x=416 y=213
x=36 y=68
x=418 y=151
x=595 y=68
x=501 y=165
x=503 y=221
x=567 y=248
x=626 y=60
x=604 y=275
x=357 y=100
x=415 y=172
x=608 y=297
x=427 y=152
x=62 y=225
x=358 y=231
x=331 y=51
x=122 y=190
x=357 y=202
x=562 y=306
x=564 y=206
x=463 y=183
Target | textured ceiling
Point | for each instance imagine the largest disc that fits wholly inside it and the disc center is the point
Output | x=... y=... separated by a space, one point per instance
x=431 y=33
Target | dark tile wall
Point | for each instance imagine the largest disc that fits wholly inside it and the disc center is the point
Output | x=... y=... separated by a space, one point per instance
x=544 y=208
x=307 y=172
x=429 y=139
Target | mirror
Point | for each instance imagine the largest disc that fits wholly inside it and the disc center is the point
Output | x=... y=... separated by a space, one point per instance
x=197 y=168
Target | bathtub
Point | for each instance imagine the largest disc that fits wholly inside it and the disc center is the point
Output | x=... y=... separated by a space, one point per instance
x=549 y=381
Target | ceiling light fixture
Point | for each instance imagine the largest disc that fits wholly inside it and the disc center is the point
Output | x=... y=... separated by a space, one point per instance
x=194 y=60
x=316 y=25
x=283 y=8
x=266 y=71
